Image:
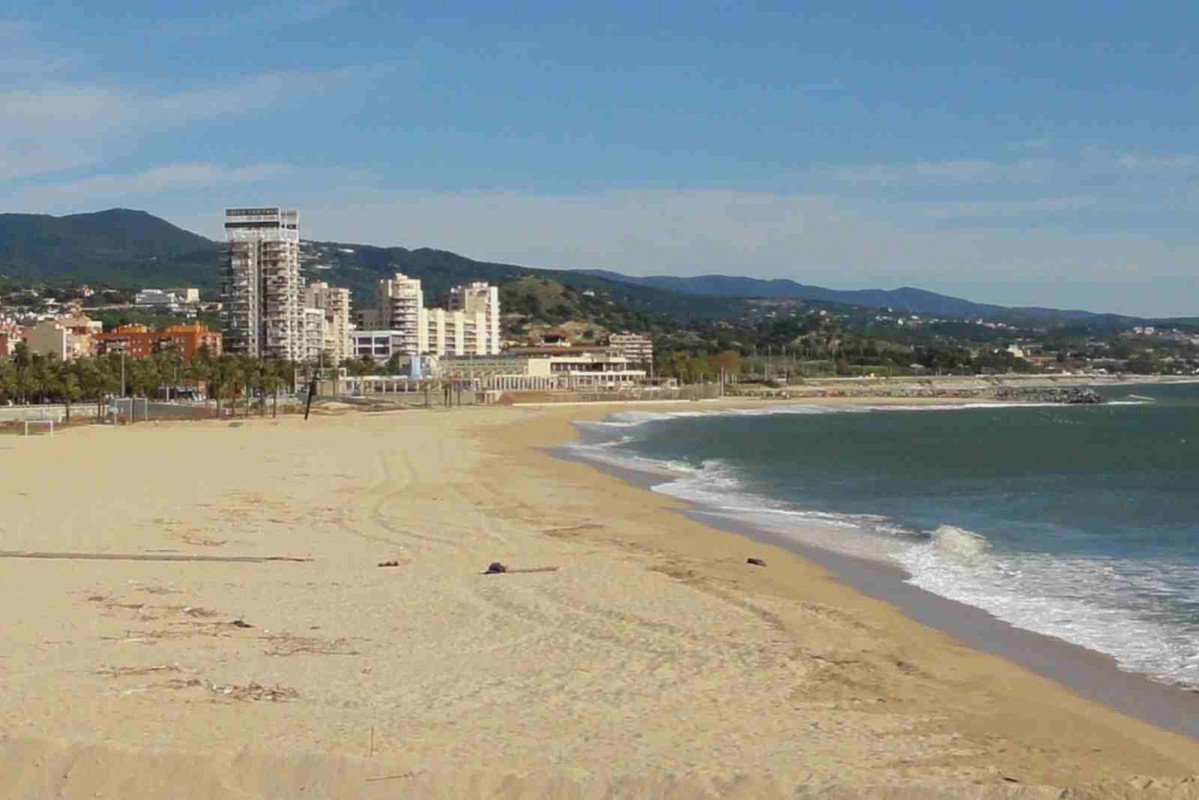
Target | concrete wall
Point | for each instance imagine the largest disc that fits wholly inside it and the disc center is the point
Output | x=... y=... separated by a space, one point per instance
x=54 y=412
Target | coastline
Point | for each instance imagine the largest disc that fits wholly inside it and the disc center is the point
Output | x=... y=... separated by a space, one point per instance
x=653 y=662
x=1086 y=672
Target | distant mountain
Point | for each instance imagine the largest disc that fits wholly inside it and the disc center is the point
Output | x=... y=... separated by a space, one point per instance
x=916 y=301
x=358 y=267
x=127 y=248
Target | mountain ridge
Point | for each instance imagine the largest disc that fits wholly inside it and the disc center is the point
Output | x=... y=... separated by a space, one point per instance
x=128 y=247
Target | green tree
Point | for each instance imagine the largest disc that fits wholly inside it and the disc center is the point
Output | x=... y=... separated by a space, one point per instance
x=67 y=386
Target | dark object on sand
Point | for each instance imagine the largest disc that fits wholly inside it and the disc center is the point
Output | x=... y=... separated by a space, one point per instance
x=389 y=563
x=240 y=623
x=496 y=568
x=757 y=562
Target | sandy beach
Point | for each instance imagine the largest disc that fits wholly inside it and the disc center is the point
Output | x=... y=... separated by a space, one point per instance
x=650 y=662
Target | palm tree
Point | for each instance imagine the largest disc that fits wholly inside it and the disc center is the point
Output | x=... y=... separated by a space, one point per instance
x=97 y=379
x=271 y=381
x=65 y=383
x=8 y=380
x=251 y=370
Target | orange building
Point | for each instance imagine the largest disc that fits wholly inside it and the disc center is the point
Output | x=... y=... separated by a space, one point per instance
x=139 y=340
x=190 y=338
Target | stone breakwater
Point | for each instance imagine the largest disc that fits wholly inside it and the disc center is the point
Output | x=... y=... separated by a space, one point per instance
x=1073 y=395
x=1027 y=389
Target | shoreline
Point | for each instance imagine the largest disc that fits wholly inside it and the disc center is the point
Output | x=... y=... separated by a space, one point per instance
x=1088 y=673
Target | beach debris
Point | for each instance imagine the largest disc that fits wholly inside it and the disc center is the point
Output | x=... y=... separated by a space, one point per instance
x=285 y=644
x=404 y=776
x=395 y=562
x=496 y=568
x=757 y=562
x=240 y=623
x=197 y=611
x=119 y=672
x=254 y=691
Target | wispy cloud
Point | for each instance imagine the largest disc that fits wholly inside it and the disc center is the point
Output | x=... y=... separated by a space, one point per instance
x=60 y=126
x=1007 y=209
x=251 y=17
x=171 y=178
x=1134 y=161
x=951 y=172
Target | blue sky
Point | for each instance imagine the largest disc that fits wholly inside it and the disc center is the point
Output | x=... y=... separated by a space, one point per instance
x=1025 y=153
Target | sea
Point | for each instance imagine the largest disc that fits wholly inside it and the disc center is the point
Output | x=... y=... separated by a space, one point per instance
x=1077 y=522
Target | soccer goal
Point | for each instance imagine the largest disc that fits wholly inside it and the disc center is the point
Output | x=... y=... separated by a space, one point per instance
x=36 y=422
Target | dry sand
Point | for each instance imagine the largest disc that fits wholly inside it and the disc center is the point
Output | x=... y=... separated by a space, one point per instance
x=652 y=663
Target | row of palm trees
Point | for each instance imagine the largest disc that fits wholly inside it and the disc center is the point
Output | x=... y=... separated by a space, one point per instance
x=27 y=377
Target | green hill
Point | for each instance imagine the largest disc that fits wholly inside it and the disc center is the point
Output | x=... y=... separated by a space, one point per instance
x=123 y=248
x=118 y=247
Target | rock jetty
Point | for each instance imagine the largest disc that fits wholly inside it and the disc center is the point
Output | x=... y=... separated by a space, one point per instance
x=1072 y=395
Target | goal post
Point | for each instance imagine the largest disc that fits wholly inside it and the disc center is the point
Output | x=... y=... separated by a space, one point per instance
x=29 y=422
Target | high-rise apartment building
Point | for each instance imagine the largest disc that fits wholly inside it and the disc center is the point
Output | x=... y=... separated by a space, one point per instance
x=471 y=326
x=335 y=306
x=261 y=289
x=480 y=307
x=401 y=303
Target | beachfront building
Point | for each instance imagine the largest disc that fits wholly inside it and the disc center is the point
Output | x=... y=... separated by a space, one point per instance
x=479 y=306
x=59 y=339
x=402 y=324
x=261 y=290
x=470 y=326
x=378 y=345
x=401 y=305
x=458 y=333
x=535 y=369
x=636 y=348
x=313 y=335
x=139 y=341
x=334 y=304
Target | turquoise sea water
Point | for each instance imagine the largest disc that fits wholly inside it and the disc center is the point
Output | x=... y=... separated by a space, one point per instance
x=1080 y=522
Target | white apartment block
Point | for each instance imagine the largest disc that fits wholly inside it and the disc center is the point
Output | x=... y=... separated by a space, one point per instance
x=402 y=324
x=636 y=348
x=401 y=304
x=313 y=335
x=479 y=303
x=335 y=305
x=261 y=290
x=457 y=333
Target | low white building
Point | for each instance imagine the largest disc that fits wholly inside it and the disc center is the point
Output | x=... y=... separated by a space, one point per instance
x=585 y=371
x=379 y=345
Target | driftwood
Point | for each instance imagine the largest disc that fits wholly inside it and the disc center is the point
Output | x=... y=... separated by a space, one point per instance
x=757 y=562
x=496 y=568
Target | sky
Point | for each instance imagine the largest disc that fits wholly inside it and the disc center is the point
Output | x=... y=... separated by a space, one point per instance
x=1019 y=153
